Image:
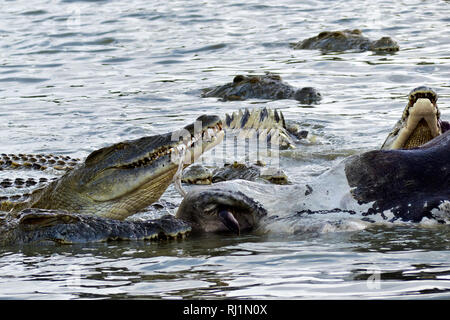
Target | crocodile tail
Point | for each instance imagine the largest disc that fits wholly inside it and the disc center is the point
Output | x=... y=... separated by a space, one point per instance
x=22 y=183
x=256 y=119
x=37 y=162
x=249 y=123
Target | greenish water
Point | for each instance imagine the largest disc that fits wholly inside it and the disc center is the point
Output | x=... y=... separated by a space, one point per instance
x=79 y=75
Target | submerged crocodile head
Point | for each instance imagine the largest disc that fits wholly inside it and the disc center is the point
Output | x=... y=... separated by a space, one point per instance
x=420 y=121
x=43 y=227
x=201 y=175
x=122 y=179
x=412 y=184
x=215 y=209
x=328 y=41
x=268 y=86
x=385 y=44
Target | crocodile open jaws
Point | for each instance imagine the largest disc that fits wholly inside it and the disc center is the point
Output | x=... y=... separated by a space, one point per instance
x=409 y=183
x=124 y=178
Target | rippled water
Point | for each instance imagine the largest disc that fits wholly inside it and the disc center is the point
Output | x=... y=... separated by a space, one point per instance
x=79 y=75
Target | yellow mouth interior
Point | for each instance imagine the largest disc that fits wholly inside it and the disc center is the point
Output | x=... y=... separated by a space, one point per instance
x=420 y=135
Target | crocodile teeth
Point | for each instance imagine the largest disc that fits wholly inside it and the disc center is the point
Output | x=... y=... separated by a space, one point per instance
x=206 y=135
x=422 y=109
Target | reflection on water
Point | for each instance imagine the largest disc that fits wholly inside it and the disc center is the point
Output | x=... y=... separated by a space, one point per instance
x=79 y=75
x=347 y=265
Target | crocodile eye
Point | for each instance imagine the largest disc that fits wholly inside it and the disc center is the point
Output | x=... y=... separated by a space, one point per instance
x=324 y=34
x=102 y=153
x=238 y=78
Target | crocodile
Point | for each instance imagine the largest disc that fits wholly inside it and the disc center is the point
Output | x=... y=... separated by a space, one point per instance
x=44 y=219
x=263 y=123
x=420 y=121
x=37 y=161
x=119 y=180
x=363 y=183
x=45 y=227
x=197 y=174
x=47 y=164
x=405 y=185
x=257 y=123
x=377 y=186
x=336 y=41
x=407 y=182
x=420 y=191
x=260 y=123
x=268 y=86
x=202 y=175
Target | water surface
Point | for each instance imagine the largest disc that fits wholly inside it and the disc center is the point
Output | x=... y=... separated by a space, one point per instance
x=79 y=75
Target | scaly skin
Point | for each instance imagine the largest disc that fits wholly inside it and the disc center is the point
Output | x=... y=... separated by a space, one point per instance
x=37 y=162
x=269 y=86
x=258 y=122
x=264 y=123
x=44 y=227
x=409 y=185
x=411 y=181
x=122 y=179
x=198 y=174
x=255 y=123
x=419 y=123
x=69 y=215
x=60 y=222
x=42 y=162
x=346 y=40
x=407 y=134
